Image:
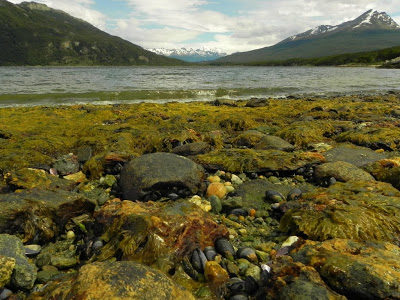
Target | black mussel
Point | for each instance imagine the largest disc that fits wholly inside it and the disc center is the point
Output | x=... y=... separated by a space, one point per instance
x=251 y=285
x=239 y=212
x=210 y=253
x=188 y=268
x=198 y=260
x=265 y=274
x=294 y=194
x=274 y=196
x=224 y=247
x=236 y=286
x=247 y=253
x=239 y=297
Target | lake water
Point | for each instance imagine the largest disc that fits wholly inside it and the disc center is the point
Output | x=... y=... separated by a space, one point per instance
x=200 y=83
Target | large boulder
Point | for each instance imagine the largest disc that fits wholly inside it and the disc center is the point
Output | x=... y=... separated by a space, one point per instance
x=358 y=270
x=358 y=156
x=160 y=172
x=40 y=213
x=274 y=142
x=24 y=274
x=357 y=210
x=120 y=280
x=341 y=171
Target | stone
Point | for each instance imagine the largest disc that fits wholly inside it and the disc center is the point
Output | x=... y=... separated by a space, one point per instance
x=215 y=274
x=24 y=274
x=249 y=139
x=257 y=102
x=116 y=280
x=61 y=254
x=216 y=189
x=40 y=213
x=215 y=204
x=358 y=270
x=386 y=170
x=84 y=154
x=358 y=156
x=160 y=172
x=7 y=265
x=273 y=142
x=67 y=164
x=341 y=171
x=192 y=149
x=357 y=210
x=236 y=179
x=77 y=177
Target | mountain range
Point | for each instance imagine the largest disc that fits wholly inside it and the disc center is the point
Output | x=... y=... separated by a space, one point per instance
x=372 y=30
x=34 y=34
x=190 y=54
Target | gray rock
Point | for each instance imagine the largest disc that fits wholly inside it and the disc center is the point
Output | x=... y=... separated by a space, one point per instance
x=257 y=102
x=67 y=164
x=215 y=204
x=84 y=154
x=25 y=273
x=192 y=149
x=341 y=171
x=160 y=172
x=274 y=142
x=358 y=156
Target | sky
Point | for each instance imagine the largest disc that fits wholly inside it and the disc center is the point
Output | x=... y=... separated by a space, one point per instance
x=227 y=25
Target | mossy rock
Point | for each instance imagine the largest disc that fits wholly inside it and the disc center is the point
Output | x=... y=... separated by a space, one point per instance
x=248 y=138
x=249 y=160
x=7 y=265
x=61 y=254
x=341 y=171
x=120 y=280
x=353 y=210
x=41 y=213
x=24 y=274
x=386 y=170
x=358 y=156
x=358 y=270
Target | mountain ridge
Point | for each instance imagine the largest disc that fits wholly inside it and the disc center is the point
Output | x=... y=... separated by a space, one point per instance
x=190 y=54
x=34 y=34
x=370 y=31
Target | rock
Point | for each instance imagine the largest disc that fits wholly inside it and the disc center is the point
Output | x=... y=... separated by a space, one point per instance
x=201 y=203
x=249 y=139
x=257 y=102
x=386 y=170
x=61 y=254
x=216 y=189
x=116 y=280
x=84 y=154
x=47 y=274
x=352 y=210
x=259 y=161
x=273 y=142
x=77 y=177
x=254 y=271
x=213 y=179
x=290 y=241
x=341 y=171
x=160 y=172
x=236 y=180
x=32 y=250
x=149 y=231
x=5 y=294
x=24 y=274
x=192 y=149
x=215 y=274
x=7 y=265
x=40 y=213
x=67 y=164
x=358 y=156
x=358 y=270
x=215 y=204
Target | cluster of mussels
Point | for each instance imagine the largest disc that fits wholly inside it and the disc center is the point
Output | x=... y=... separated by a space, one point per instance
x=212 y=263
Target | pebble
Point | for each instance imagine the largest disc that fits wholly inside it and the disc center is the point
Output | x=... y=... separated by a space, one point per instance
x=254 y=271
x=215 y=274
x=236 y=179
x=97 y=245
x=229 y=189
x=173 y=196
x=216 y=204
x=216 y=188
x=214 y=179
x=294 y=194
x=239 y=297
x=70 y=235
x=5 y=293
x=32 y=250
x=274 y=196
x=202 y=203
x=290 y=241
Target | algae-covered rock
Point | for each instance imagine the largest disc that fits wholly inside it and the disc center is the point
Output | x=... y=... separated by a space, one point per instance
x=160 y=172
x=354 y=210
x=358 y=156
x=40 y=213
x=357 y=270
x=192 y=149
x=296 y=281
x=273 y=142
x=7 y=265
x=61 y=254
x=120 y=280
x=386 y=170
x=67 y=164
x=341 y=171
x=248 y=160
x=156 y=233
x=24 y=274
x=248 y=138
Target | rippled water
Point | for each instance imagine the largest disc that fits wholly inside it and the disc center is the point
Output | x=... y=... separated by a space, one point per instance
x=203 y=82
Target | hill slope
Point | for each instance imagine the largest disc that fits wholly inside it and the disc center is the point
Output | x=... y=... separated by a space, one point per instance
x=34 y=34
x=370 y=31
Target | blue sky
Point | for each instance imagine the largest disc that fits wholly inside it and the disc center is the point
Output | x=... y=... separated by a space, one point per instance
x=228 y=25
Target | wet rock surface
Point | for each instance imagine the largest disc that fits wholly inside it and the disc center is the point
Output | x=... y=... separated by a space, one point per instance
x=341 y=171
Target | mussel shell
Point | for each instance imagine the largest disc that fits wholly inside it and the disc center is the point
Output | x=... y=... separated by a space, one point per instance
x=188 y=268
x=247 y=253
x=294 y=194
x=236 y=286
x=274 y=196
x=210 y=253
x=239 y=212
x=198 y=260
x=239 y=297
x=251 y=285
x=224 y=247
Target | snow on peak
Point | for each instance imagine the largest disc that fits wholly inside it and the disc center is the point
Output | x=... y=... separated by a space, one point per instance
x=373 y=17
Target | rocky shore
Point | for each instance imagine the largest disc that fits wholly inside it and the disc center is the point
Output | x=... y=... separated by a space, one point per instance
x=293 y=198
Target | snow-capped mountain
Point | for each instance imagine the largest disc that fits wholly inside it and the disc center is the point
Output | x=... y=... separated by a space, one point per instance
x=373 y=30
x=190 y=54
x=368 y=20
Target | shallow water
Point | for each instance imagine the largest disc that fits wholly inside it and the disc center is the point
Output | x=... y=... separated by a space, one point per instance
x=198 y=83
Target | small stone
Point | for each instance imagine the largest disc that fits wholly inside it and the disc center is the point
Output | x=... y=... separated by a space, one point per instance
x=273 y=179
x=236 y=179
x=252 y=212
x=254 y=271
x=290 y=241
x=5 y=294
x=229 y=189
x=228 y=183
x=294 y=194
x=108 y=180
x=97 y=245
x=77 y=177
x=213 y=179
x=173 y=196
x=217 y=189
x=67 y=164
x=70 y=235
x=215 y=274
x=32 y=250
x=216 y=204
x=274 y=196
x=203 y=204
